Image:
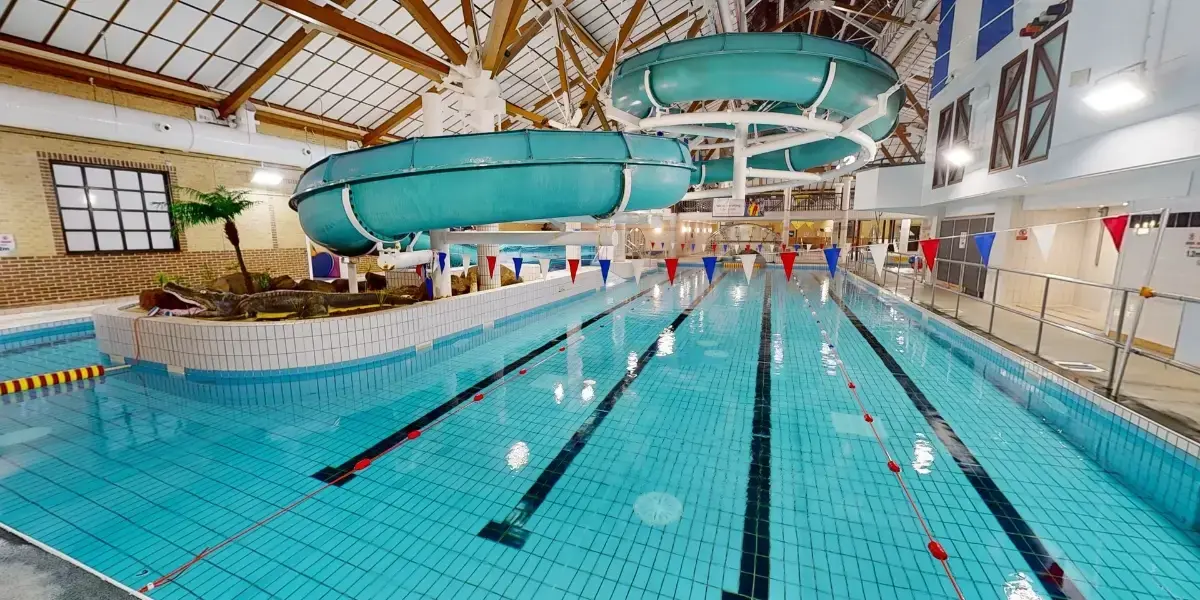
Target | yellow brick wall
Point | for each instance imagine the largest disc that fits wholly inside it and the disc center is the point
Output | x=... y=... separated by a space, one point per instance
x=25 y=208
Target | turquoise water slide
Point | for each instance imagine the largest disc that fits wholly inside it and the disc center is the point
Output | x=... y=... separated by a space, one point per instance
x=352 y=201
x=790 y=69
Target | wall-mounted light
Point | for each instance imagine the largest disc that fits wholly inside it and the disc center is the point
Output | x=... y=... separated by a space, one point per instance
x=959 y=156
x=1116 y=93
x=266 y=177
x=658 y=230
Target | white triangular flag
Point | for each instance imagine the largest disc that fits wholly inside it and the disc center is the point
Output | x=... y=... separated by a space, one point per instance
x=637 y=270
x=1045 y=238
x=879 y=255
x=807 y=247
x=544 y=263
x=748 y=264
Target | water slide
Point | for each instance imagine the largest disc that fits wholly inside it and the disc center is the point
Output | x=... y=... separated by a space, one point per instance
x=840 y=95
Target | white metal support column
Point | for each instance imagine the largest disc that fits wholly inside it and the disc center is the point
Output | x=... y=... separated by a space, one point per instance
x=786 y=237
x=441 y=277
x=741 y=133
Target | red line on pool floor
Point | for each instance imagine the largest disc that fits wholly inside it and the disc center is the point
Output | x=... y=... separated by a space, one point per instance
x=361 y=465
x=935 y=548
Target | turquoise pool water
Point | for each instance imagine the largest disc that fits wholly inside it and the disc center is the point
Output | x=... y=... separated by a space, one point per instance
x=680 y=441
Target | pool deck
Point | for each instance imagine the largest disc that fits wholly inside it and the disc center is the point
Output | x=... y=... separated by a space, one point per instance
x=31 y=573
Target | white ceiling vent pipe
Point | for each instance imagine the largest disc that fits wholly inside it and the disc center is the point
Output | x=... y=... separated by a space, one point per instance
x=24 y=108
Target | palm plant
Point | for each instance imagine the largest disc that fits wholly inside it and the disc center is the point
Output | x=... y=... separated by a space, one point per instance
x=218 y=206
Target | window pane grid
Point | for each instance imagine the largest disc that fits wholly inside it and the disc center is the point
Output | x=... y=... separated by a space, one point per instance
x=106 y=209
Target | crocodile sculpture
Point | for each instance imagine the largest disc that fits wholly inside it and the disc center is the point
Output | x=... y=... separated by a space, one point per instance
x=297 y=303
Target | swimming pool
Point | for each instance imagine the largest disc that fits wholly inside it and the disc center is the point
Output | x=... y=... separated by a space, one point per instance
x=680 y=441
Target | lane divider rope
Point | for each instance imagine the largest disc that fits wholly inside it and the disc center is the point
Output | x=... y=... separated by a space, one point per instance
x=33 y=382
x=935 y=548
x=358 y=467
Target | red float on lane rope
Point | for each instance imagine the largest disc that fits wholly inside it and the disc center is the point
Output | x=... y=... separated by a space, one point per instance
x=362 y=464
x=523 y=371
x=868 y=418
x=478 y=397
x=893 y=467
x=562 y=348
x=938 y=551
x=414 y=434
x=851 y=385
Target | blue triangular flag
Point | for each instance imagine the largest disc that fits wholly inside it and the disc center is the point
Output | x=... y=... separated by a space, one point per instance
x=442 y=261
x=760 y=247
x=797 y=247
x=831 y=258
x=428 y=288
x=710 y=263
x=604 y=263
x=724 y=247
x=983 y=241
x=693 y=247
x=517 y=267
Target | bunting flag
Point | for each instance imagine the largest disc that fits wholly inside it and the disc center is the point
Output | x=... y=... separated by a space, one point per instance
x=714 y=247
x=710 y=263
x=1045 y=238
x=682 y=246
x=748 y=264
x=573 y=265
x=879 y=257
x=421 y=271
x=466 y=262
x=1116 y=226
x=796 y=247
x=984 y=241
x=929 y=249
x=517 y=266
x=747 y=247
x=604 y=264
x=807 y=247
x=544 y=263
x=724 y=247
x=831 y=259
x=442 y=262
x=429 y=288
x=760 y=247
x=491 y=261
x=638 y=265
x=672 y=264
x=789 y=259
x=693 y=247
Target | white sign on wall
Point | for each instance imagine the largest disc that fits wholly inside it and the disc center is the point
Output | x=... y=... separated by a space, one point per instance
x=8 y=244
x=728 y=207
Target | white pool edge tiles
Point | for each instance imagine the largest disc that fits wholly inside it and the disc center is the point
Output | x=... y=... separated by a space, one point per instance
x=47 y=325
x=1161 y=432
x=67 y=558
x=183 y=344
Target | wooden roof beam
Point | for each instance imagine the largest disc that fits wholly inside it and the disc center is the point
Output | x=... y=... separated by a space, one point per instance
x=610 y=59
x=506 y=15
x=655 y=33
x=902 y=135
x=581 y=32
x=332 y=20
x=698 y=24
x=524 y=35
x=922 y=113
x=517 y=111
x=437 y=32
x=878 y=16
x=294 y=44
x=373 y=136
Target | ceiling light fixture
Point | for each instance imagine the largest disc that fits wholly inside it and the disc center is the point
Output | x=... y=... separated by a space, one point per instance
x=267 y=177
x=1116 y=93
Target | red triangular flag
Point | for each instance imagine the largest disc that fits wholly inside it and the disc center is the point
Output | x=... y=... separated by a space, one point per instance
x=573 y=265
x=491 y=266
x=1116 y=228
x=714 y=247
x=672 y=264
x=681 y=245
x=929 y=249
x=421 y=271
x=789 y=259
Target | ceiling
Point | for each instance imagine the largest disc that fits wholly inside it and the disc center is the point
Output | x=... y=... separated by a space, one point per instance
x=223 y=44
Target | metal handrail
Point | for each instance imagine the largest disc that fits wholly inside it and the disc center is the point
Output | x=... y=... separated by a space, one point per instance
x=1113 y=386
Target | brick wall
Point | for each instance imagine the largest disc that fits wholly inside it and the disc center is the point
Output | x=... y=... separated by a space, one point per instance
x=27 y=281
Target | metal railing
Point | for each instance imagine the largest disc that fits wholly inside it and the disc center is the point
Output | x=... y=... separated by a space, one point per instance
x=1121 y=343
x=767 y=203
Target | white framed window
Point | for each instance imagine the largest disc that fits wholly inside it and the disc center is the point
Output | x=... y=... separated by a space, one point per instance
x=113 y=209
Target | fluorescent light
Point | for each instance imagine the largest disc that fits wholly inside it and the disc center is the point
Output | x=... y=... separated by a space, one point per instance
x=658 y=230
x=1115 y=93
x=267 y=177
x=959 y=156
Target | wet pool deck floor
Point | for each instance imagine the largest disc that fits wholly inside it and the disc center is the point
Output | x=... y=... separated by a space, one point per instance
x=30 y=573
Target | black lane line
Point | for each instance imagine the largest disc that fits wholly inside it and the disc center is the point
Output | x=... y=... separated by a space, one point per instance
x=1048 y=571
x=511 y=531
x=755 y=579
x=329 y=474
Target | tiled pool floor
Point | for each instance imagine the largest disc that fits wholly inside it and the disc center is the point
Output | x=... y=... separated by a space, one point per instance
x=687 y=442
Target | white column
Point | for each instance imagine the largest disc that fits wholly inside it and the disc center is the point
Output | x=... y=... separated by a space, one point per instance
x=486 y=281
x=739 y=162
x=351 y=274
x=573 y=251
x=676 y=233
x=619 y=249
x=441 y=277
x=786 y=238
x=845 y=213
x=431 y=114
x=902 y=239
